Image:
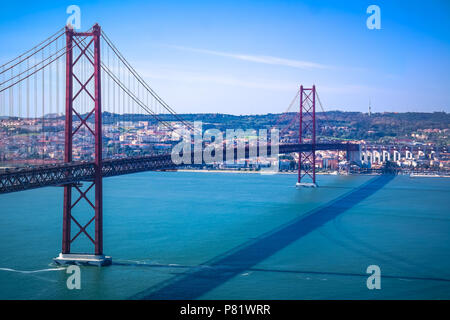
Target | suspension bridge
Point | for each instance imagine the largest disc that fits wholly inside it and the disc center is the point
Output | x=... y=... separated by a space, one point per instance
x=51 y=138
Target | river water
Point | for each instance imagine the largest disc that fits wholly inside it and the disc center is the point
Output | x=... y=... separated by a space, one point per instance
x=182 y=235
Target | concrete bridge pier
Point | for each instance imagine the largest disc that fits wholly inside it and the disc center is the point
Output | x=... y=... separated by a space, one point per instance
x=396 y=156
x=386 y=156
x=408 y=155
x=376 y=156
x=355 y=156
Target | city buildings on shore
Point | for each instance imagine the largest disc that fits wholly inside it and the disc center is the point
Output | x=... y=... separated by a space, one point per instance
x=41 y=141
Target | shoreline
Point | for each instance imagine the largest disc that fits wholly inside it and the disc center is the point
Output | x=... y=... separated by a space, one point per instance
x=295 y=173
x=249 y=172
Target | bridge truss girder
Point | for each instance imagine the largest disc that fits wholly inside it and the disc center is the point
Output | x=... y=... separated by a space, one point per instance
x=70 y=173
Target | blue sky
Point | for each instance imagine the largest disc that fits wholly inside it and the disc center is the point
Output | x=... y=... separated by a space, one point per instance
x=247 y=57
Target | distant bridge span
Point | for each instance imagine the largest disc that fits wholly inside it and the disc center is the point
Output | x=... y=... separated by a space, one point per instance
x=20 y=179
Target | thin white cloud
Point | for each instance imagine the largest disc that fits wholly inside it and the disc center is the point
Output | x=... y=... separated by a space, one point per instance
x=354 y=89
x=190 y=77
x=257 y=59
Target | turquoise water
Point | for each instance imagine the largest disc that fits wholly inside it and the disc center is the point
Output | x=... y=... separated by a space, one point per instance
x=238 y=236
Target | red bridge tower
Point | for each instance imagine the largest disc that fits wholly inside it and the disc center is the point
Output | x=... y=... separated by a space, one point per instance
x=307 y=134
x=73 y=40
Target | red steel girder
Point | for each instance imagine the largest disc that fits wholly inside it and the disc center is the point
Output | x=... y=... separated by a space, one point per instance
x=20 y=179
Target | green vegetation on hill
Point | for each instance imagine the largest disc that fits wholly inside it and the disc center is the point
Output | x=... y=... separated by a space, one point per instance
x=382 y=127
x=378 y=127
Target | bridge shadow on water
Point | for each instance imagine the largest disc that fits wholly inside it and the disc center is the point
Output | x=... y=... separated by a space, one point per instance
x=211 y=274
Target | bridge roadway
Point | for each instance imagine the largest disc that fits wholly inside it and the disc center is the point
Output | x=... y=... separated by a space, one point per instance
x=19 y=179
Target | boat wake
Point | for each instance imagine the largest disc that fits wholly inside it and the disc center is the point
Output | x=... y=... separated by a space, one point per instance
x=31 y=271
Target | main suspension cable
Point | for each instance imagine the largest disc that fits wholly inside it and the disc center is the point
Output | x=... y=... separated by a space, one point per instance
x=142 y=81
x=37 y=70
x=18 y=57
x=131 y=94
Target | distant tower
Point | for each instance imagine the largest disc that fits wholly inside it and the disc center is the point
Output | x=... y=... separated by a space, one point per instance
x=370 y=109
x=307 y=131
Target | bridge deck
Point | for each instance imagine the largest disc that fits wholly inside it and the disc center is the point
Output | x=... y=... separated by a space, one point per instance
x=20 y=179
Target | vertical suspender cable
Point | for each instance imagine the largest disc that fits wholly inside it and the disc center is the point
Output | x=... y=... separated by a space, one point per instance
x=57 y=81
x=28 y=91
x=43 y=110
x=114 y=112
x=129 y=99
x=28 y=147
x=123 y=107
x=109 y=86
x=11 y=102
x=2 y=106
x=35 y=122
x=11 y=94
x=122 y=77
x=19 y=97
x=50 y=96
